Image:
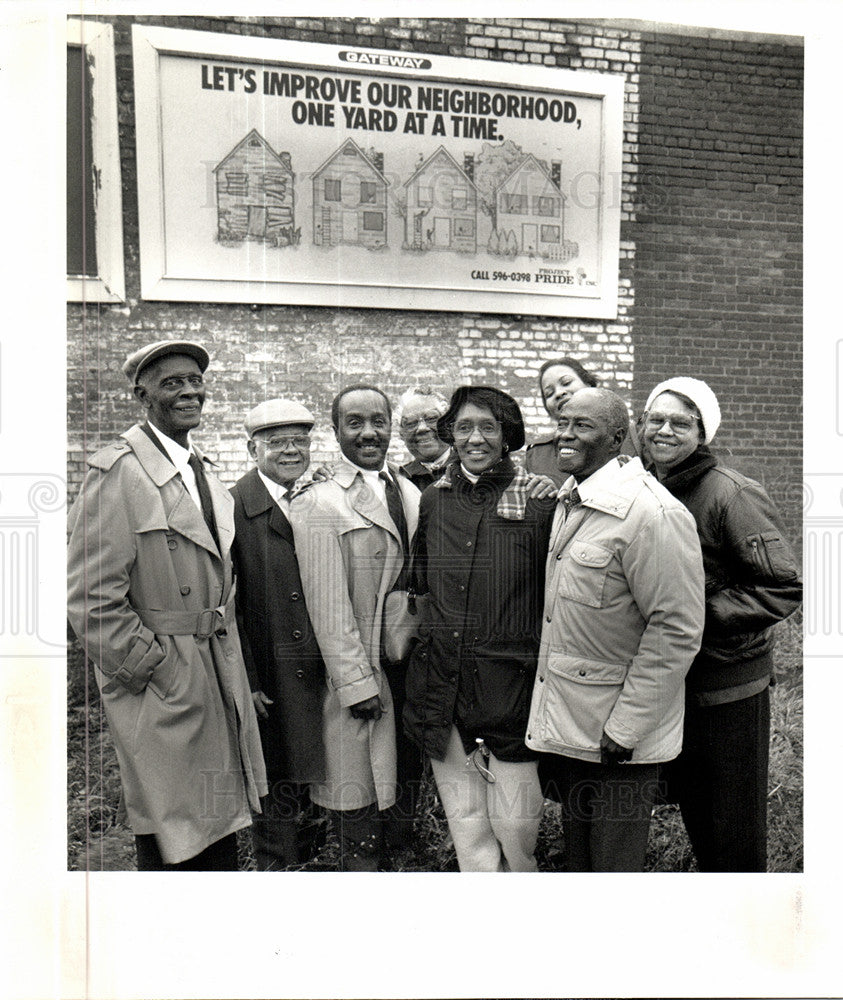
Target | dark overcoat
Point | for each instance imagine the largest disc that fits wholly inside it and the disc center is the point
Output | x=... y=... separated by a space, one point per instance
x=280 y=650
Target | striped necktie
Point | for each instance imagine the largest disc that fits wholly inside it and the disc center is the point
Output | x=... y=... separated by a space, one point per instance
x=204 y=495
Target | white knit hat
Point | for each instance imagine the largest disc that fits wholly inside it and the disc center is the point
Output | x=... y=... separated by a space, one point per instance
x=699 y=393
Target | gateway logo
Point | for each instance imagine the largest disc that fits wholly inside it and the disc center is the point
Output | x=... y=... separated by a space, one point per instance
x=382 y=59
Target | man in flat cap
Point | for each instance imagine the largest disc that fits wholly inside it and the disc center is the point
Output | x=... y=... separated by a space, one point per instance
x=151 y=598
x=285 y=669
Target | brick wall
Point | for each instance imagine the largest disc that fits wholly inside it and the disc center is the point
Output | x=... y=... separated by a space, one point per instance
x=737 y=218
x=718 y=241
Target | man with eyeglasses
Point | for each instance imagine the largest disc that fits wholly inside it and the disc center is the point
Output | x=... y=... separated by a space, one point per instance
x=352 y=536
x=151 y=598
x=623 y=620
x=418 y=411
x=285 y=668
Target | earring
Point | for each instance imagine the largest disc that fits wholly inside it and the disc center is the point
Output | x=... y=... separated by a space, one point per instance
x=505 y=448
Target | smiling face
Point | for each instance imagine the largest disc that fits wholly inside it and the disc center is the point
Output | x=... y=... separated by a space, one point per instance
x=672 y=431
x=282 y=453
x=559 y=383
x=418 y=427
x=586 y=435
x=478 y=438
x=363 y=428
x=173 y=392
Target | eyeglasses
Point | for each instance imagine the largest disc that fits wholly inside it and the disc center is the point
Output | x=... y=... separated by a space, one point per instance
x=299 y=441
x=679 y=425
x=428 y=418
x=489 y=429
x=479 y=757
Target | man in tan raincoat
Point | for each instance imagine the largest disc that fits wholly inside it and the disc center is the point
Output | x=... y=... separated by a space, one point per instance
x=151 y=598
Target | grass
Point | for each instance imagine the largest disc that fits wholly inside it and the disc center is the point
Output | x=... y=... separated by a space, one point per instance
x=97 y=841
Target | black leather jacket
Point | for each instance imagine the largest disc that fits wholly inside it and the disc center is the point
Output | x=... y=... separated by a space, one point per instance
x=751 y=576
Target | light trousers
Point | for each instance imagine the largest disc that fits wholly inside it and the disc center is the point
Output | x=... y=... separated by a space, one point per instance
x=494 y=824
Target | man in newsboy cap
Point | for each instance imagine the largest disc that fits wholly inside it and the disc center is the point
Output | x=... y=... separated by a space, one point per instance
x=151 y=598
x=286 y=672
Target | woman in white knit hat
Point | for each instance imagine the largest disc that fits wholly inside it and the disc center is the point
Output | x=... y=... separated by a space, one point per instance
x=752 y=582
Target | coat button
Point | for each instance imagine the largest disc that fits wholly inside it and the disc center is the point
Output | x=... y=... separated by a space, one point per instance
x=541 y=680
x=296 y=633
x=184 y=591
x=468 y=545
x=171 y=543
x=559 y=556
x=294 y=596
x=547 y=619
x=300 y=674
x=582 y=673
x=456 y=635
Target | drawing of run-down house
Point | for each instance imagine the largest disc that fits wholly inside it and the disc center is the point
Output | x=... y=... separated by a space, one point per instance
x=255 y=193
x=349 y=199
x=441 y=206
x=531 y=205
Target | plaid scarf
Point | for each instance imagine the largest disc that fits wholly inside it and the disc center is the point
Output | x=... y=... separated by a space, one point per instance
x=513 y=501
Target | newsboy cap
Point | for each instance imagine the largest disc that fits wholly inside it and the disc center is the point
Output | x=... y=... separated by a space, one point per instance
x=144 y=356
x=275 y=413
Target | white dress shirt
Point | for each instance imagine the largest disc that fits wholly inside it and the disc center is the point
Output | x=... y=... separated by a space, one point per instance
x=280 y=494
x=180 y=456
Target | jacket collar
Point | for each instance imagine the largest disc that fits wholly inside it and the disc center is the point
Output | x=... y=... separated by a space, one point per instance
x=363 y=499
x=612 y=488
x=257 y=501
x=185 y=517
x=687 y=473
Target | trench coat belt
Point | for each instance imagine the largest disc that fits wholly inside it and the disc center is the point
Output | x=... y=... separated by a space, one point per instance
x=200 y=624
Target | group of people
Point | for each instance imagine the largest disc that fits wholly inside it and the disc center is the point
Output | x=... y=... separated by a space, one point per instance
x=590 y=625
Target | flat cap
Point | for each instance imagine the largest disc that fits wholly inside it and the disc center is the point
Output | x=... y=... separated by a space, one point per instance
x=144 y=356
x=275 y=412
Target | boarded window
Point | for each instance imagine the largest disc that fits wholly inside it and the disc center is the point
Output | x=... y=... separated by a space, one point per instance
x=238 y=183
x=332 y=189
x=550 y=234
x=373 y=222
x=425 y=195
x=459 y=198
x=464 y=227
x=368 y=192
x=81 y=228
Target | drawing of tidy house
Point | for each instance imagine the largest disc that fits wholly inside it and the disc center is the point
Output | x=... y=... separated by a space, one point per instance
x=349 y=199
x=255 y=196
x=531 y=206
x=441 y=206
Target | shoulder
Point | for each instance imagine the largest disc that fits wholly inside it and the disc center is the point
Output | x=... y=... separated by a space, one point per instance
x=547 y=441
x=106 y=458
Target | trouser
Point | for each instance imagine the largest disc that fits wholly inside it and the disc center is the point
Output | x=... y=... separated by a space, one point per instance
x=399 y=818
x=360 y=836
x=494 y=823
x=606 y=810
x=720 y=782
x=288 y=832
x=220 y=856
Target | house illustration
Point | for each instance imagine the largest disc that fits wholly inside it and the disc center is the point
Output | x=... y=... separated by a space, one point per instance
x=441 y=203
x=255 y=196
x=349 y=199
x=531 y=207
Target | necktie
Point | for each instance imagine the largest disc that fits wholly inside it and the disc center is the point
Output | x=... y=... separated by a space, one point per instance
x=571 y=501
x=396 y=512
x=204 y=495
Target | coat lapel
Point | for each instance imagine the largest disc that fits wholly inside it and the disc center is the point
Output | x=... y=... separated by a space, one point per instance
x=257 y=501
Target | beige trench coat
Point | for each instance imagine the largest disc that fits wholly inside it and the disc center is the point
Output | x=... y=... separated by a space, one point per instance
x=151 y=599
x=350 y=555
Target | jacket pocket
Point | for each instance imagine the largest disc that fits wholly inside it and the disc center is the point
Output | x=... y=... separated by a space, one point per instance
x=579 y=698
x=585 y=580
x=772 y=556
x=164 y=674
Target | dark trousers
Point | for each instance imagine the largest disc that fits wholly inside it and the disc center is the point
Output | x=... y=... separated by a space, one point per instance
x=220 y=856
x=360 y=835
x=720 y=782
x=399 y=818
x=606 y=811
x=289 y=831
